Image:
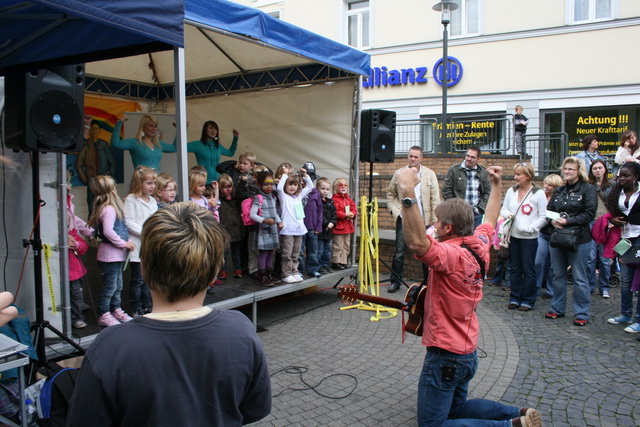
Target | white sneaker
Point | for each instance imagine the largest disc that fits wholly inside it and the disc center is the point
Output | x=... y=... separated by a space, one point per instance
x=288 y=279
x=107 y=319
x=297 y=278
x=605 y=294
x=79 y=324
x=121 y=316
x=634 y=328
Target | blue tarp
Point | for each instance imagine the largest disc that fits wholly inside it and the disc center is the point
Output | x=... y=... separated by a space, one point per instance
x=43 y=33
x=235 y=18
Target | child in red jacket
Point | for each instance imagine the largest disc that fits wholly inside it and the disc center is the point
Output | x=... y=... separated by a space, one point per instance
x=346 y=211
x=77 y=270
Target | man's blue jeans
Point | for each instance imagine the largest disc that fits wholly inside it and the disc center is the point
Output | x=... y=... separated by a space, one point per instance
x=111 y=286
x=560 y=260
x=443 y=401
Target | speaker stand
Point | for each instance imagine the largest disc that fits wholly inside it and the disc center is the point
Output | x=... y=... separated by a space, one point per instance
x=40 y=325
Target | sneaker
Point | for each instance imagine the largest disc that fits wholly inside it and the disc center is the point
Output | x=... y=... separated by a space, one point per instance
x=580 y=322
x=297 y=278
x=237 y=274
x=138 y=313
x=121 y=316
x=222 y=275
x=218 y=282
x=530 y=418
x=79 y=324
x=288 y=279
x=317 y=275
x=605 y=294
x=107 y=319
x=620 y=319
x=147 y=309
x=211 y=290
x=553 y=315
x=634 y=328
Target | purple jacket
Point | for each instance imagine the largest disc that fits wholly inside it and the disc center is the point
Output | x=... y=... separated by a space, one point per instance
x=313 y=211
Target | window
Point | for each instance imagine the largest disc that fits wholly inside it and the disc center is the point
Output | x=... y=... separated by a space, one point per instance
x=358 y=24
x=591 y=10
x=465 y=20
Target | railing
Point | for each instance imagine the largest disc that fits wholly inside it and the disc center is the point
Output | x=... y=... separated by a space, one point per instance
x=546 y=150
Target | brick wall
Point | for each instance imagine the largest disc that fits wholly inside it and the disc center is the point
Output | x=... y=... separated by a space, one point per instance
x=440 y=164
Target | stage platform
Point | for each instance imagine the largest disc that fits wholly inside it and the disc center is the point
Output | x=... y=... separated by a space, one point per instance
x=242 y=293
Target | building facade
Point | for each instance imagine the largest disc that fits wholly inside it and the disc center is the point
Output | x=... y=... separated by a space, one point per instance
x=568 y=63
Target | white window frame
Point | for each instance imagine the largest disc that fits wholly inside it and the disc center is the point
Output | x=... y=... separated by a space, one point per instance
x=570 y=6
x=358 y=13
x=464 y=25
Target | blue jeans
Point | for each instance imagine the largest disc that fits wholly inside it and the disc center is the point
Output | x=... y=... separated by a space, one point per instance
x=443 y=401
x=139 y=296
x=111 y=286
x=544 y=270
x=626 y=294
x=477 y=219
x=235 y=248
x=310 y=259
x=523 y=273
x=324 y=253
x=503 y=272
x=605 y=268
x=397 y=265
x=560 y=260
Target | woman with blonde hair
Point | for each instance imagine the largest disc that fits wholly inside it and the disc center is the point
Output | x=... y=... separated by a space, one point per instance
x=575 y=205
x=526 y=205
x=146 y=148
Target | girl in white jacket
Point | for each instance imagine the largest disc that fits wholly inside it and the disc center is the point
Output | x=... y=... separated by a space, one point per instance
x=138 y=206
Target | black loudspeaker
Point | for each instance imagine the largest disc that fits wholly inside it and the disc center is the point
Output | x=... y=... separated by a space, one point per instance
x=378 y=136
x=45 y=109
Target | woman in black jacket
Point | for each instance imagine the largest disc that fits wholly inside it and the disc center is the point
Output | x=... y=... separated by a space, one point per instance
x=624 y=205
x=576 y=202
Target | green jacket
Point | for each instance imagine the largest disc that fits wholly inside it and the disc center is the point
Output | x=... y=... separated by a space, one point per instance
x=455 y=185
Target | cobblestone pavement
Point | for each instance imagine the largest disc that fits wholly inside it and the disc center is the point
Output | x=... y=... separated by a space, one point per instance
x=334 y=367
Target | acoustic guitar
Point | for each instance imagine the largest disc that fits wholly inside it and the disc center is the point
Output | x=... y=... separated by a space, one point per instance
x=414 y=299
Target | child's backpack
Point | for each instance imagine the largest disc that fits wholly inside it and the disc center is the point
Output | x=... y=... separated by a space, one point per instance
x=245 y=209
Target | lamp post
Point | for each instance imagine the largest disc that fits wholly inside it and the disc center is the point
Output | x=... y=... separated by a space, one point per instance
x=445 y=7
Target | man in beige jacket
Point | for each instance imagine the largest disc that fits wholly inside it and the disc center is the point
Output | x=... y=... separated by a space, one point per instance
x=427 y=195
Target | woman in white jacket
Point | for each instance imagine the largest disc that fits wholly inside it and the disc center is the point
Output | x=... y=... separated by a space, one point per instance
x=526 y=204
x=138 y=206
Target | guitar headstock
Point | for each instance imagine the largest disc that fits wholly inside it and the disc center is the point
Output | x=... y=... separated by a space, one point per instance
x=349 y=293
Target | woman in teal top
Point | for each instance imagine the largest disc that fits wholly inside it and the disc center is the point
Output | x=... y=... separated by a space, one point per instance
x=145 y=149
x=208 y=150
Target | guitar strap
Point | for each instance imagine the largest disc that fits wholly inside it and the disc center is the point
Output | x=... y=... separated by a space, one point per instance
x=477 y=257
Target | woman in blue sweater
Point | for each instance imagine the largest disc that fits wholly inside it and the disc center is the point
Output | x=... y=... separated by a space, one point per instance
x=146 y=149
x=208 y=149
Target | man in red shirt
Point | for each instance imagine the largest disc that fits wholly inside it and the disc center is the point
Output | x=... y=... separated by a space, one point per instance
x=454 y=292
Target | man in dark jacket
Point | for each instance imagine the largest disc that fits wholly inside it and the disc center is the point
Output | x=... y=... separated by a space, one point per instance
x=469 y=181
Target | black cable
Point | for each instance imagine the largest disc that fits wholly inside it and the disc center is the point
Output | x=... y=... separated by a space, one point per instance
x=299 y=370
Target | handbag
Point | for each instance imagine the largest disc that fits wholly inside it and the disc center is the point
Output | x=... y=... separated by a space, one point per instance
x=565 y=238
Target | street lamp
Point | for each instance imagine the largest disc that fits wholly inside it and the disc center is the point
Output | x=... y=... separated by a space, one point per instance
x=445 y=6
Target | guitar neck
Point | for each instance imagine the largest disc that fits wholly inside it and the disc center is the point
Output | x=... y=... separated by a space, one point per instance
x=379 y=300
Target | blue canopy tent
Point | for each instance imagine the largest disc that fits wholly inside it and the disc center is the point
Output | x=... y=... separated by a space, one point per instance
x=189 y=53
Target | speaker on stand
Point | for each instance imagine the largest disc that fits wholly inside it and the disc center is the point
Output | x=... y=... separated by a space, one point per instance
x=44 y=113
x=377 y=139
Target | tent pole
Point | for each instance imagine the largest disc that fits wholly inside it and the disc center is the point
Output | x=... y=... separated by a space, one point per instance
x=181 y=122
x=63 y=232
x=355 y=150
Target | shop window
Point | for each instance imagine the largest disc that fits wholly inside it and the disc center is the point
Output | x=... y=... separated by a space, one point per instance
x=358 y=23
x=465 y=20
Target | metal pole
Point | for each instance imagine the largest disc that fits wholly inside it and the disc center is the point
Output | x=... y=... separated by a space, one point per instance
x=445 y=82
x=63 y=239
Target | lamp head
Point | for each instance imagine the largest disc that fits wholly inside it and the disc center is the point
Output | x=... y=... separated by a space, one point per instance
x=445 y=6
